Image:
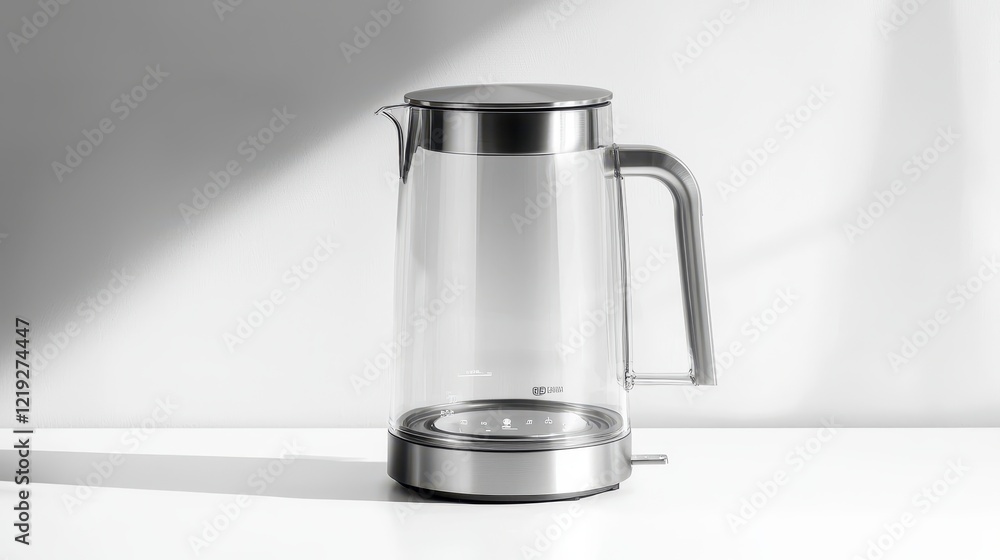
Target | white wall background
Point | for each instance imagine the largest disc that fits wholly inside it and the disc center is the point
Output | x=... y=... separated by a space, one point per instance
x=326 y=175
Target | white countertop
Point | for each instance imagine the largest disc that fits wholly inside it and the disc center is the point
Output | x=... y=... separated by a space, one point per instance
x=922 y=493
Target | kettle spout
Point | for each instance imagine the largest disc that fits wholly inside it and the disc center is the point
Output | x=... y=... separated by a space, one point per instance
x=397 y=114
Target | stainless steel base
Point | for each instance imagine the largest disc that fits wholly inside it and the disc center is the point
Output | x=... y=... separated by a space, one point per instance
x=510 y=476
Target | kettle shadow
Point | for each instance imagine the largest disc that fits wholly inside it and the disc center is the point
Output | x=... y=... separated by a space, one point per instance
x=307 y=477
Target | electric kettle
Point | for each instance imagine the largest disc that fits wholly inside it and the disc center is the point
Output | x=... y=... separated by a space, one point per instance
x=512 y=308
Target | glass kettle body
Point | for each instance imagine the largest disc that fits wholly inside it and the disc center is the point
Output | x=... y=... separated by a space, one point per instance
x=512 y=372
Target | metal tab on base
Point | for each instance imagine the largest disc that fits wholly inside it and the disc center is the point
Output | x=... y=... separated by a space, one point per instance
x=650 y=459
x=510 y=476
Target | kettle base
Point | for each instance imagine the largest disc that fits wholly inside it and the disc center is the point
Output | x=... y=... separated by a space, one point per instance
x=510 y=476
x=483 y=499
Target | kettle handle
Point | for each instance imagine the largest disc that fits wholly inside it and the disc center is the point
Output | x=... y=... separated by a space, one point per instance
x=650 y=161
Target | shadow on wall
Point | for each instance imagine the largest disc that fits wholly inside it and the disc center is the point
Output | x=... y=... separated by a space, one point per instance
x=215 y=79
x=908 y=253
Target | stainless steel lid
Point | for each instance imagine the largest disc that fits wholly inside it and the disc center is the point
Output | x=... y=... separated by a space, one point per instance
x=508 y=97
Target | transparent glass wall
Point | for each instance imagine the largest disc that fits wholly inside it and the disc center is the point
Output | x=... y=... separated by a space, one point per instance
x=510 y=312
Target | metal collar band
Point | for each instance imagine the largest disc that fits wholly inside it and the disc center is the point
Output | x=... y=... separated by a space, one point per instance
x=551 y=131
